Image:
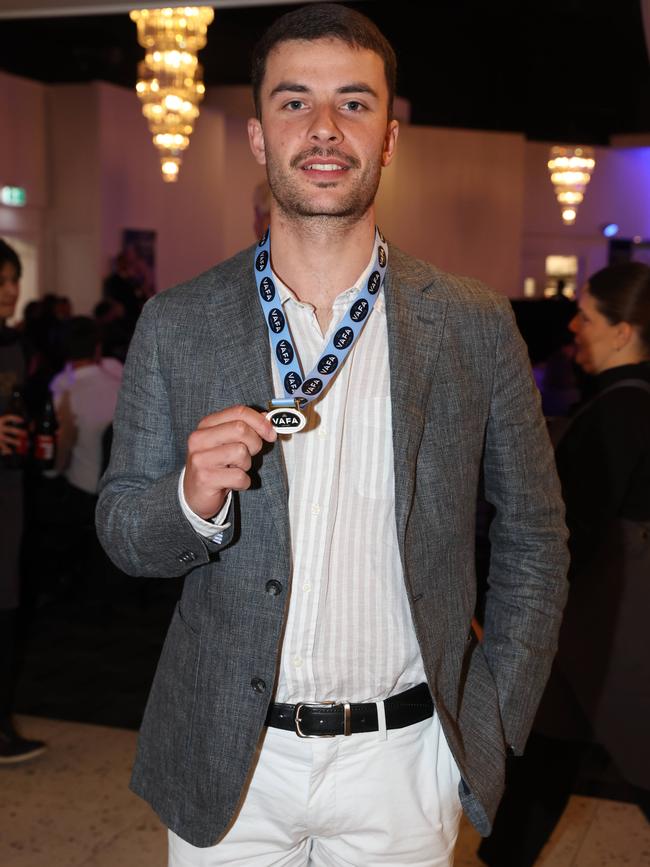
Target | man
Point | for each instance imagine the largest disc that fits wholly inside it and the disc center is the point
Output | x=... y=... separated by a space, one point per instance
x=334 y=566
x=13 y=747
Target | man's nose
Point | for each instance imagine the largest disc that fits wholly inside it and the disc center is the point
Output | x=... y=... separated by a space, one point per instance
x=324 y=127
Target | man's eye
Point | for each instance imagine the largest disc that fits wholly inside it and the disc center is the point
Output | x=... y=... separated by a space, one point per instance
x=295 y=104
x=353 y=105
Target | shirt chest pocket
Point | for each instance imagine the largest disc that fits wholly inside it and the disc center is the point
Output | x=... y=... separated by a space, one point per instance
x=370 y=452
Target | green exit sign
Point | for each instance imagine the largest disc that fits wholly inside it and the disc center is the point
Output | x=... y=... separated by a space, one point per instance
x=15 y=197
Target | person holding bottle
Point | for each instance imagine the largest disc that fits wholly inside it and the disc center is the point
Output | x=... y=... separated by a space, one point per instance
x=13 y=451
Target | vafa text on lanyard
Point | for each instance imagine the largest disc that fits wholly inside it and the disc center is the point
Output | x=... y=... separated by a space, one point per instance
x=285 y=413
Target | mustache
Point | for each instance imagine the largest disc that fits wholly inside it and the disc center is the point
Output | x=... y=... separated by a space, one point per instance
x=323 y=153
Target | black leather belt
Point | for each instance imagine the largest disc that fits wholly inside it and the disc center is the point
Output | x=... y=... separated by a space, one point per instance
x=327 y=719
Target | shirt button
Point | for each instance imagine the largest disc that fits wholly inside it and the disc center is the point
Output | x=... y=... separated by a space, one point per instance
x=297 y=661
x=315 y=509
x=306 y=586
x=258 y=684
x=322 y=433
x=273 y=588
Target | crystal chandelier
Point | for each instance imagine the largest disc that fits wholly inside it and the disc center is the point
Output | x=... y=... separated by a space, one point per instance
x=570 y=169
x=170 y=83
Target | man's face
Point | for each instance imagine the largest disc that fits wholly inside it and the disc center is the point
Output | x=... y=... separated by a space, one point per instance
x=324 y=134
x=9 y=287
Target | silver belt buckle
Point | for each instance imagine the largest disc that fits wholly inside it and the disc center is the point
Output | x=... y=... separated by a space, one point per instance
x=346 y=717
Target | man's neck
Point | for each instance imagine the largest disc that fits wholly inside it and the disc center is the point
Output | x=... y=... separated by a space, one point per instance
x=320 y=258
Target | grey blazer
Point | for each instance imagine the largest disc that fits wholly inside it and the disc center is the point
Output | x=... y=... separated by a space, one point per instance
x=464 y=406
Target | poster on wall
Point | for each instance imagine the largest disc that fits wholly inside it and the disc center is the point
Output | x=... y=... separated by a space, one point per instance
x=139 y=248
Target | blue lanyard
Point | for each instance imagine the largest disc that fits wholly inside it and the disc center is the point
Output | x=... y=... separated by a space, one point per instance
x=298 y=389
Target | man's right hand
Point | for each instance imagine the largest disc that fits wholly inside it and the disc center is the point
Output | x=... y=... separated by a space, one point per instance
x=219 y=455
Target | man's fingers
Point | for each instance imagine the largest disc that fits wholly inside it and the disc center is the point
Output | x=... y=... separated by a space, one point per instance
x=241 y=415
x=233 y=479
x=214 y=459
x=231 y=432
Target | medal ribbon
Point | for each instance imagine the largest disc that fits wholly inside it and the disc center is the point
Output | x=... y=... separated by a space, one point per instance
x=297 y=387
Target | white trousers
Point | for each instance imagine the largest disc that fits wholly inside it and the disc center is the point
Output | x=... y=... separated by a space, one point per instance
x=369 y=799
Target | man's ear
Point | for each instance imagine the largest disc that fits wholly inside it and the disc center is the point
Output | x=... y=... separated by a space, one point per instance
x=256 y=140
x=390 y=142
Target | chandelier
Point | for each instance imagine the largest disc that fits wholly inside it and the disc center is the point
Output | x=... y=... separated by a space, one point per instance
x=570 y=169
x=170 y=83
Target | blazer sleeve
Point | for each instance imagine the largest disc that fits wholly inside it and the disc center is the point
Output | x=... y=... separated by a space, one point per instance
x=139 y=518
x=527 y=584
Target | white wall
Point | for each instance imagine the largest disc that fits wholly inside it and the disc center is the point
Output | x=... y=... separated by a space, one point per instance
x=73 y=220
x=187 y=216
x=23 y=164
x=454 y=198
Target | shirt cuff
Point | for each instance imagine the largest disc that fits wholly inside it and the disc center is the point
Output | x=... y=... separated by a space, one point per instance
x=212 y=529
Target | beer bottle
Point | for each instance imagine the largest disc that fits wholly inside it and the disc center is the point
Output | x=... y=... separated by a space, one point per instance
x=16 y=406
x=45 y=437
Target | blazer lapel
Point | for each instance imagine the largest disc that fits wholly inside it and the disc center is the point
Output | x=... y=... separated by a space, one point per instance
x=415 y=319
x=246 y=365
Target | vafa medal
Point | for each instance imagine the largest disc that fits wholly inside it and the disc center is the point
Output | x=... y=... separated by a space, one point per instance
x=285 y=413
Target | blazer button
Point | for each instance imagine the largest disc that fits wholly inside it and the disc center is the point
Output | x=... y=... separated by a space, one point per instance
x=187 y=557
x=258 y=684
x=274 y=588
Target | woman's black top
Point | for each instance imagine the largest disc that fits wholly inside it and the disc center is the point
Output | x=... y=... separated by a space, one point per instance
x=604 y=460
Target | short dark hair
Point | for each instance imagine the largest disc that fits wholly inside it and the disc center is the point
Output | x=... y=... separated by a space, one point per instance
x=622 y=294
x=9 y=256
x=324 y=21
x=79 y=338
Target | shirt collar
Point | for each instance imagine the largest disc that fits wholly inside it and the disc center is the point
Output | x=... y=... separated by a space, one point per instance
x=342 y=300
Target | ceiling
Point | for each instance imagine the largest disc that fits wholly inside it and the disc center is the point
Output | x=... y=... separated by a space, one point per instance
x=570 y=71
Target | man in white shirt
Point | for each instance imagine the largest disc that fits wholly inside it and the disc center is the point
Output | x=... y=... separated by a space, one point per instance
x=330 y=571
x=85 y=394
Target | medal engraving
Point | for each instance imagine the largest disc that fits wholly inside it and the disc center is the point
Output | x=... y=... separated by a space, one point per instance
x=286 y=419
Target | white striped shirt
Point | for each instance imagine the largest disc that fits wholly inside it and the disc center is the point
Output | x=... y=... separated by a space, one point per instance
x=349 y=634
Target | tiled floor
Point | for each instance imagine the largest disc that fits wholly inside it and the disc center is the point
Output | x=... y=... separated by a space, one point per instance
x=71 y=808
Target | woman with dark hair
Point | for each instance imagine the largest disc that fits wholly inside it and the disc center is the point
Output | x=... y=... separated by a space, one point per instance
x=599 y=691
x=604 y=456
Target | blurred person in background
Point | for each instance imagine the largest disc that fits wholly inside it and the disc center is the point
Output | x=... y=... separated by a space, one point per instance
x=115 y=333
x=599 y=691
x=127 y=286
x=85 y=395
x=13 y=748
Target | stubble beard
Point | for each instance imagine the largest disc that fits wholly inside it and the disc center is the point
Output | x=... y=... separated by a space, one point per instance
x=297 y=203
